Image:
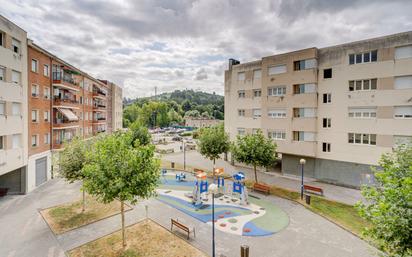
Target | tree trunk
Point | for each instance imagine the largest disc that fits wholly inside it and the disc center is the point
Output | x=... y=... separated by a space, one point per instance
x=214 y=175
x=84 y=200
x=123 y=229
x=254 y=168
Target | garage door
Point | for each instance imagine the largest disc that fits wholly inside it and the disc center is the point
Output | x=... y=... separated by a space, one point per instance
x=41 y=170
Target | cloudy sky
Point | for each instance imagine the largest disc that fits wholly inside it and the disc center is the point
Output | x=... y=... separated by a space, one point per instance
x=180 y=44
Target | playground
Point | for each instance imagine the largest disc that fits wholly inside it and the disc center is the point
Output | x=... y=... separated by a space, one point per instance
x=236 y=211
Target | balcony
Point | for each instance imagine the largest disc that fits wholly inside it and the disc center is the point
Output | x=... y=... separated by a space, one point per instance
x=98 y=93
x=65 y=101
x=64 y=124
x=302 y=148
x=304 y=124
x=65 y=80
x=99 y=106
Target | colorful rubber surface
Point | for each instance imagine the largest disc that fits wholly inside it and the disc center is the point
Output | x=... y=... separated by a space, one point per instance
x=258 y=218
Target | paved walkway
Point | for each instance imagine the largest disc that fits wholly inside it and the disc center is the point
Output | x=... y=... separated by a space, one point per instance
x=24 y=232
x=336 y=193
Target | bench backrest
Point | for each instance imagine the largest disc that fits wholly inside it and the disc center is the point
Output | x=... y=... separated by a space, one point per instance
x=261 y=186
x=180 y=225
x=313 y=188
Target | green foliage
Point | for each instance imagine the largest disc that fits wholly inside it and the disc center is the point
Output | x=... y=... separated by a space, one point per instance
x=72 y=159
x=140 y=134
x=168 y=108
x=118 y=170
x=213 y=141
x=254 y=149
x=388 y=205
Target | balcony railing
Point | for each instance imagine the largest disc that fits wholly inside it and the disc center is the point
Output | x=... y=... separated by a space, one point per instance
x=59 y=99
x=59 y=76
x=64 y=121
x=99 y=92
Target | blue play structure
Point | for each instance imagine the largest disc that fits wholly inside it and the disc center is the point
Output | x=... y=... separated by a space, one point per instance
x=180 y=177
x=239 y=187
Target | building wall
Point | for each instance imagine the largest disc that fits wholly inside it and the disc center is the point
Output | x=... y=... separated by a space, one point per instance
x=117 y=107
x=13 y=157
x=346 y=163
x=200 y=122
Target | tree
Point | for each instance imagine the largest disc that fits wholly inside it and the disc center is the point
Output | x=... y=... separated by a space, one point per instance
x=254 y=149
x=120 y=171
x=212 y=142
x=388 y=205
x=71 y=162
x=174 y=116
x=139 y=134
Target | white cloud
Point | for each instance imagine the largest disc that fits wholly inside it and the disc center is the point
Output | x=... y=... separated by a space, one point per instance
x=179 y=44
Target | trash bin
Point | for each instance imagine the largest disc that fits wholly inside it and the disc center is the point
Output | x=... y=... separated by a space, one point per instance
x=307 y=199
x=173 y=165
x=244 y=251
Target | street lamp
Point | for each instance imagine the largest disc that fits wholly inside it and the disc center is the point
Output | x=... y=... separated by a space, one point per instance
x=184 y=154
x=302 y=163
x=213 y=189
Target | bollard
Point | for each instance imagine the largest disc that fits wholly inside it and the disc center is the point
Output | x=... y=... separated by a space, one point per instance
x=173 y=165
x=307 y=198
x=244 y=251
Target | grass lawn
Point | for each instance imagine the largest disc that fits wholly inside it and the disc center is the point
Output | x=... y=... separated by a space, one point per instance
x=144 y=239
x=65 y=217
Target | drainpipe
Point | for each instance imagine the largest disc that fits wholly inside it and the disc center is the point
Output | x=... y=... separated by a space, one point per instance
x=51 y=115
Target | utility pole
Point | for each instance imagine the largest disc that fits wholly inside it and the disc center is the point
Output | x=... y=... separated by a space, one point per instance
x=155 y=93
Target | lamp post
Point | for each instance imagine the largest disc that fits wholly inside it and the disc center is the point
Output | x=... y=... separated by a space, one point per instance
x=302 y=163
x=213 y=189
x=184 y=154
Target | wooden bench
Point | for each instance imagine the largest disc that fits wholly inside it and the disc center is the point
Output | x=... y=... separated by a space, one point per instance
x=313 y=189
x=261 y=188
x=182 y=227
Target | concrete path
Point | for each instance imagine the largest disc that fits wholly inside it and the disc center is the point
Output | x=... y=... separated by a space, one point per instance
x=336 y=193
x=24 y=233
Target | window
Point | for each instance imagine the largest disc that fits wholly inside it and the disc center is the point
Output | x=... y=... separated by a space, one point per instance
x=325 y=147
x=371 y=56
x=304 y=112
x=16 y=77
x=403 y=112
x=16 y=141
x=34 y=142
x=305 y=64
x=403 y=82
x=2 y=142
x=81 y=100
x=363 y=85
x=46 y=116
x=241 y=131
x=2 y=108
x=47 y=92
x=362 y=112
x=46 y=70
x=2 y=73
x=403 y=52
x=402 y=140
x=16 y=109
x=34 y=65
x=240 y=93
x=241 y=112
x=304 y=88
x=277 y=113
x=34 y=90
x=240 y=76
x=304 y=136
x=34 y=116
x=277 y=135
x=327 y=73
x=327 y=98
x=16 y=45
x=47 y=138
x=277 y=91
x=278 y=69
x=327 y=122
x=257 y=113
x=364 y=139
x=81 y=116
x=257 y=93
x=1 y=39
x=257 y=74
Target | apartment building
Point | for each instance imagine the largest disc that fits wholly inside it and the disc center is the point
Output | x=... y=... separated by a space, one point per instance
x=115 y=100
x=13 y=107
x=44 y=102
x=339 y=107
